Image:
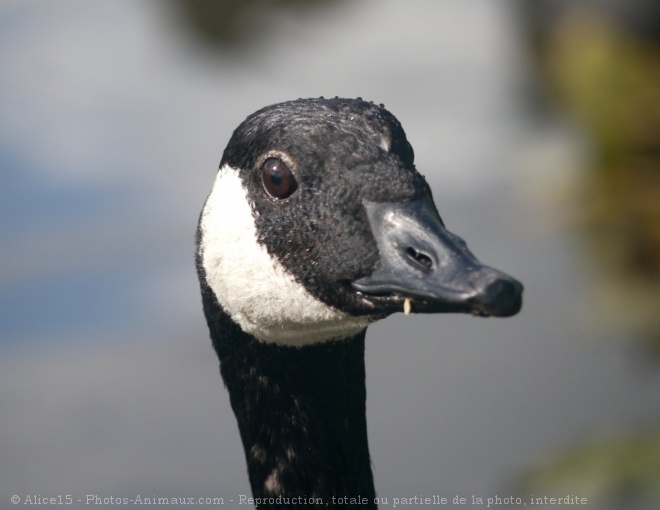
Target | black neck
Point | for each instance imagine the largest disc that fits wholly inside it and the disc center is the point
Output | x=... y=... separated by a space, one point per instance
x=301 y=414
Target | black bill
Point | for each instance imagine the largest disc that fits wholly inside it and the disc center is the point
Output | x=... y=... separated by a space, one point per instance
x=425 y=268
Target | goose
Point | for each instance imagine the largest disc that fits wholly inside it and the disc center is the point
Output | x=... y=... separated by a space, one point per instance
x=317 y=225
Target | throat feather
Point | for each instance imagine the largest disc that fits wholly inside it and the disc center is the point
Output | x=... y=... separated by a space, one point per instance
x=301 y=412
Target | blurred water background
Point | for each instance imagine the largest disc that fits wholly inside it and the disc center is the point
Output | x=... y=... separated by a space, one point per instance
x=537 y=125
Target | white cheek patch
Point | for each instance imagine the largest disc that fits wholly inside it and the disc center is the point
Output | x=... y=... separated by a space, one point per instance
x=253 y=287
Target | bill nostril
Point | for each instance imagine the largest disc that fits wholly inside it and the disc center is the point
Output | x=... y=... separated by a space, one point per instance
x=419 y=258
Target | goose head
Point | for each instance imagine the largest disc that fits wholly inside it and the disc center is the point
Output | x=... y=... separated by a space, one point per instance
x=317 y=225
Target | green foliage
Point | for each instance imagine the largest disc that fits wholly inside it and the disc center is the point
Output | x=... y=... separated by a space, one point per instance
x=625 y=470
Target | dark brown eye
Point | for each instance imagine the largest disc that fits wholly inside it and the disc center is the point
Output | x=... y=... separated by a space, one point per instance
x=278 y=179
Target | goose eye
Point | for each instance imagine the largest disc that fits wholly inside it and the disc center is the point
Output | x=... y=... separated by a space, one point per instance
x=410 y=152
x=279 y=181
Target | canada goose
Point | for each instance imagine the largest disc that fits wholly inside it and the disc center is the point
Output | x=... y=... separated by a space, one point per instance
x=317 y=225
